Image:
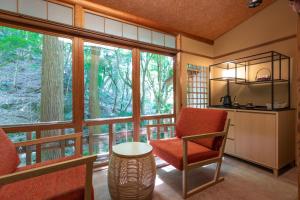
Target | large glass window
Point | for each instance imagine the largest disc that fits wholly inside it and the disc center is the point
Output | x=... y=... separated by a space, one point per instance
x=156 y=75
x=108 y=81
x=36 y=77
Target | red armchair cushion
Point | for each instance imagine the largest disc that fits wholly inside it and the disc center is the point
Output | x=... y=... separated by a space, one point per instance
x=68 y=184
x=193 y=121
x=9 y=159
x=170 y=150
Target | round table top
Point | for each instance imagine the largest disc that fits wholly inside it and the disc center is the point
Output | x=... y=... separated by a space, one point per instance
x=132 y=149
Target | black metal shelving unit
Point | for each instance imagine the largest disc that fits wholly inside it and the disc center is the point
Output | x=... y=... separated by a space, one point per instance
x=245 y=63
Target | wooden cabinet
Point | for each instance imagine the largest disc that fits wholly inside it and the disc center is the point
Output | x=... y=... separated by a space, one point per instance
x=266 y=138
x=256 y=137
x=230 y=146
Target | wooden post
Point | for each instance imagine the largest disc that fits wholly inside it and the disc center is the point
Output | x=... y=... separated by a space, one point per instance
x=78 y=16
x=38 y=155
x=28 y=149
x=110 y=138
x=298 y=94
x=78 y=74
x=63 y=144
x=136 y=93
x=78 y=85
x=298 y=105
x=178 y=77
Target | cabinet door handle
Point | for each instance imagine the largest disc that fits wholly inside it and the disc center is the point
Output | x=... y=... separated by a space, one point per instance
x=231 y=125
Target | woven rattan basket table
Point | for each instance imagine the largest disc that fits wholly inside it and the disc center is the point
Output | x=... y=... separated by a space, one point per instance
x=131 y=171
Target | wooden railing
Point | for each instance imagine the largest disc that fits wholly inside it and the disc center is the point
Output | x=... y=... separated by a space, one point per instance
x=35 y=131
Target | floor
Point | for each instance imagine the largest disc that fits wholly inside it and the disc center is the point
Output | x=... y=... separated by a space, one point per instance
x=242 y=181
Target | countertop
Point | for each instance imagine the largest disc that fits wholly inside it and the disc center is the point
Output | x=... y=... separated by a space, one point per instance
x=244 y=108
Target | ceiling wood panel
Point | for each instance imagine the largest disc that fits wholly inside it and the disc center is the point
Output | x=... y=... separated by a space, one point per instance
x=207 y=19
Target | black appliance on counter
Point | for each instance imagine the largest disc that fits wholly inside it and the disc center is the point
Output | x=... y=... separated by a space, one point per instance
x=226 y=100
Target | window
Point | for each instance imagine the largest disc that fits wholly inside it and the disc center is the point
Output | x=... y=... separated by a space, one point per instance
x=108 y=81
x=197 y=95
x=109 y=26
x=156 y=77
x=36 y=77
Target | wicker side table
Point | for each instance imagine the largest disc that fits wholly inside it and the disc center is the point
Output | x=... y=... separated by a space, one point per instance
x=131 y=171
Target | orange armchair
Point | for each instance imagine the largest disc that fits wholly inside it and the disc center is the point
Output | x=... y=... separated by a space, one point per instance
x=68 y=178
x=199 y=141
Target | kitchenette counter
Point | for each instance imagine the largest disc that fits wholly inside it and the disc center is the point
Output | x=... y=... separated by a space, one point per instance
x=264 y=137
x=250 y=109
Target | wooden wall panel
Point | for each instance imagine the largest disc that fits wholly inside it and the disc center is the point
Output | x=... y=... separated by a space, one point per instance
x=298 y=96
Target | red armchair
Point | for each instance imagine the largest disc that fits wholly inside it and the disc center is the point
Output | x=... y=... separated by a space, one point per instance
x=199 y=141
x=68 y=178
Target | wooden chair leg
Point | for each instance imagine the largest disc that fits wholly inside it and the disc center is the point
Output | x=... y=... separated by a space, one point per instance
x=218 y=168
x=216 y=179
x=184 y=183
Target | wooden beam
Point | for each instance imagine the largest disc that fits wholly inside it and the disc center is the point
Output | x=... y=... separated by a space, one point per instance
x=298 y=100
x=78 y=84
x=152 y=117
x=178 y=76
x=132 y=18
x=49 y=27
x=36 y=127
x=28 y=149
x=136 y=101
x=78 y=16
x=49 y=139
x=95 y=122
x=110 y=138
x=38 y=147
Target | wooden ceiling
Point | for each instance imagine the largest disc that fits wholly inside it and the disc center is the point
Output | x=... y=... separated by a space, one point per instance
x=203 y=19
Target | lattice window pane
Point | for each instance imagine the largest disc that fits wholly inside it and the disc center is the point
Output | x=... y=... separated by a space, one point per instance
x=197 y=93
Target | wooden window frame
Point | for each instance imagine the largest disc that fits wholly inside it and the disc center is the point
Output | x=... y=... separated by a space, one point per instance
x=78 y=38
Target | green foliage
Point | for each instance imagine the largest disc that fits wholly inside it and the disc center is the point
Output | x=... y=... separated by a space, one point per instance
x=21 y=56
x=20 y=83
x=157 y=90
x=114 y=81
x=19 y=45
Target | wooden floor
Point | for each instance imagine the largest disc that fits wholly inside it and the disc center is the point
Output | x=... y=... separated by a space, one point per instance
x=242 y=181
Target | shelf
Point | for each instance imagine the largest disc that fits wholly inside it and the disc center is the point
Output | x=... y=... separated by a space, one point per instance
x=260 y=58
x=276 y=81
x=244 y=72
x=231 y=79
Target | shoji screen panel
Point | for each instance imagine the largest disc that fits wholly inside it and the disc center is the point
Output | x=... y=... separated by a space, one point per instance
x=57 y=12
x=144 y=35
x=158 y=38
x=130 y=31
x=126 y=30
x=34 y=8
x=9 y=5
x=60 y=13
x=197 y=86
x=113 y=27
x=94 y=22
x=170 y=41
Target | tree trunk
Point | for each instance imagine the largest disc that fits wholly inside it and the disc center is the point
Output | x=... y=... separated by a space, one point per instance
x=94 y=101
x=52 y=90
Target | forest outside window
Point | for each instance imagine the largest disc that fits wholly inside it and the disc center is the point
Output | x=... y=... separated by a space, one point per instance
x=36 y=77
x=156 y=79
x=108 y=81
